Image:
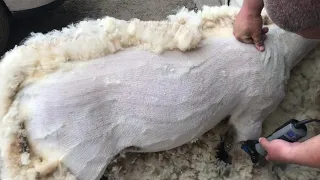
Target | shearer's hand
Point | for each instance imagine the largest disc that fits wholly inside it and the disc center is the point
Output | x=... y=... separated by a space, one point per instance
x=248 y=27
x=306 y=153
x=278 y=150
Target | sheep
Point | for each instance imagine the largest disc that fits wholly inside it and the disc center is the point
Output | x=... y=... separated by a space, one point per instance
x=73 y=99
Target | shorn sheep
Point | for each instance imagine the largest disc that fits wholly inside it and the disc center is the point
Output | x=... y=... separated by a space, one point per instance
x=71 y=100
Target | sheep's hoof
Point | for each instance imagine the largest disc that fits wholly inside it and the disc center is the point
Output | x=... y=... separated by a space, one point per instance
x=225 y=146
x=222 y=153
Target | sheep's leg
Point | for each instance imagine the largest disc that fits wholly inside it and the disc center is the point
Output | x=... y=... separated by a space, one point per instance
x=247 y=126
x=243 y=125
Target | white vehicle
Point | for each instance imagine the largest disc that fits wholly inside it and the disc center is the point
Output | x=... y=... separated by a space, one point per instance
x=21 y=9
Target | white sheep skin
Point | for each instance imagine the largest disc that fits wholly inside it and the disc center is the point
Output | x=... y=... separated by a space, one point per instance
x=73 y=99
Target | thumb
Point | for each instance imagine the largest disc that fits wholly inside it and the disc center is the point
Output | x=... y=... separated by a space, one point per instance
x=264 y=143
x=258 y=42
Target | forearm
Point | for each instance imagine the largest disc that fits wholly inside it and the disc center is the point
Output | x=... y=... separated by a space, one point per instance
x=307 y=153
x=253 y=7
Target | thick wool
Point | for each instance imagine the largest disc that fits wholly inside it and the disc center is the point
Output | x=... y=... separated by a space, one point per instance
x=41 y=140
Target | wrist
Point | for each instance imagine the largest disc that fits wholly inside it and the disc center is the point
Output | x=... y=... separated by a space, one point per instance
x=307 y=153
x=252 y=7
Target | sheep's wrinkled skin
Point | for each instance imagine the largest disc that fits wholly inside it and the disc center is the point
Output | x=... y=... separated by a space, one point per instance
x=248 y=88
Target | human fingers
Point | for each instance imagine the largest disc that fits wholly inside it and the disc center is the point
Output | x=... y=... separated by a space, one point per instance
x=264 y=143
x=242 y=36
x=264 y=30
x=247 y=40
x=266 y=146
x=258 y=42
x=278 y=150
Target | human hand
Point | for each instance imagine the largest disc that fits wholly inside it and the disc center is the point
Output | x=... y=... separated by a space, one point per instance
x=248 y=28
x=278 y=150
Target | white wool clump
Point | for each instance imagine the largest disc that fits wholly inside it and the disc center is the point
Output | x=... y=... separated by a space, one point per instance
x=211 y=13
x=42 y=54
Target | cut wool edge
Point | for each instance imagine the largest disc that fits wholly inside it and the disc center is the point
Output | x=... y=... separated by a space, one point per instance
x=43 y=54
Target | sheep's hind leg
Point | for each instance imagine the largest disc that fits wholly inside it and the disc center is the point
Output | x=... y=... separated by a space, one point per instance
x=247 y=126
x=242 y=126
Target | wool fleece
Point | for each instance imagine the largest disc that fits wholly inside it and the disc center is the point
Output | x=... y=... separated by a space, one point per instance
x=72 y=100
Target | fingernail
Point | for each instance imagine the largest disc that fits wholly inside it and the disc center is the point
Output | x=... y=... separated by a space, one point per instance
x=260 y=139
x=267 y=158
x=261 y=48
